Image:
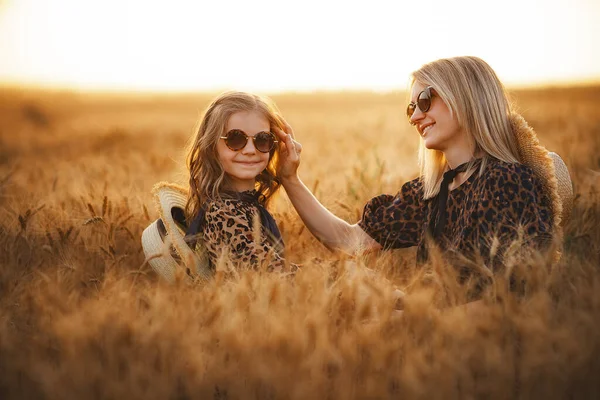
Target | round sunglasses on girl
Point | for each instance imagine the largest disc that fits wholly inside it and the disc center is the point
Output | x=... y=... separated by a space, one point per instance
x=423 y=102
x=236 y=140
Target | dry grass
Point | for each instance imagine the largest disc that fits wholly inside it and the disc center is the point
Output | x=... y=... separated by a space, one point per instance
x=81 y=316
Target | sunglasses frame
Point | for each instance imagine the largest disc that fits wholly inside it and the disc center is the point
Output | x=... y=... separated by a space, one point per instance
x=226 y=137
x=412 y=107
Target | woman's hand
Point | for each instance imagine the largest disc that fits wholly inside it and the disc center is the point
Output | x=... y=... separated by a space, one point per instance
x=289 y=152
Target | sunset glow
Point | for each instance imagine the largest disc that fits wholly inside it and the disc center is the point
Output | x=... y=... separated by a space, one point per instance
x=279 y=45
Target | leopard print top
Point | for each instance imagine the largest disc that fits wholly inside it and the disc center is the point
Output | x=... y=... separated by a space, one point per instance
x=493 y=203
x=227 y=231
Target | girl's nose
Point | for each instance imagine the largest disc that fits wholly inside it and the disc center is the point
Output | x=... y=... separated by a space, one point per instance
x=249 y=147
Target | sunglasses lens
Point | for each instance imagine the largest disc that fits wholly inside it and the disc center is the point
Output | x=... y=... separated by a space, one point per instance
x=424 y=101
x=410 y=110
x=236 y=139
x=264 y=142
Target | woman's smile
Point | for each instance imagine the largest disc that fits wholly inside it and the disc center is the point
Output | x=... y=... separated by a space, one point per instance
x=423 y=129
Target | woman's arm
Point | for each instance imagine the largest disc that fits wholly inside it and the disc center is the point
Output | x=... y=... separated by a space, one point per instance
x=331 y=230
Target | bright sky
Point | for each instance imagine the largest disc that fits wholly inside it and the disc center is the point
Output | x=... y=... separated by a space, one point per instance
x=283 y=45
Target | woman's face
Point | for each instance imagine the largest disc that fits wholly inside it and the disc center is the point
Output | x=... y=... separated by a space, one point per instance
x=243 y=166
x=438 y=128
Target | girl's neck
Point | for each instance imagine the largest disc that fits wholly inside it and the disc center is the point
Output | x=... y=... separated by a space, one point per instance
x=240 y=186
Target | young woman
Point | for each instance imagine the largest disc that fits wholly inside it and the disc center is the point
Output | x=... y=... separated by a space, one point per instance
x=233 y=162
x=484 y=180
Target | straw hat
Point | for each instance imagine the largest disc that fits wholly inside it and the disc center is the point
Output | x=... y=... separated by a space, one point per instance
x=549 y=167
x=163 y=241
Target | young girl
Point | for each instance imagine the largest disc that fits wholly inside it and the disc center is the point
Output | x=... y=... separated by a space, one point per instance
x=233 y=162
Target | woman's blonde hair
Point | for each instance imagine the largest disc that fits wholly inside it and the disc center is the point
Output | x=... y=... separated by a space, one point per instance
x=476 y=97
x=208 y=180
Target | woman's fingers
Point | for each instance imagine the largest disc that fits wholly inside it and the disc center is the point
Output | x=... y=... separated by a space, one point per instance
x=281 y=135
x=284 y=145
x=288 y=127
x=292 y=144
x=289 y=143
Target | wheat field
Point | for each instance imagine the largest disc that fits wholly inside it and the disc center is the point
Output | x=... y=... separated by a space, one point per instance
x=83 y=316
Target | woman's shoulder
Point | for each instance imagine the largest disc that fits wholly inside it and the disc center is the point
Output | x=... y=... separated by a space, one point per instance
x=411 y=192
x=503 y=172
x=414 y=185
x=511 y=181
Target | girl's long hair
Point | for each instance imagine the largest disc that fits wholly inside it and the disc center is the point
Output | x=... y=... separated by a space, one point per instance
x=475 y=95
x=208 y=180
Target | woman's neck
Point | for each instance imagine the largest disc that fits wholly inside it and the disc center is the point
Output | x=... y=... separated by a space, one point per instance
x=459 y=157
x=462 y=176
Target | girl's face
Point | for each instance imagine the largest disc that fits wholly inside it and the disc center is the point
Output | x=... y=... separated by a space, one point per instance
x=243 y=166
x=438 y=128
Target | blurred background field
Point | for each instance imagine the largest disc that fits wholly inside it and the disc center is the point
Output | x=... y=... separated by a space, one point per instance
x=82 y=316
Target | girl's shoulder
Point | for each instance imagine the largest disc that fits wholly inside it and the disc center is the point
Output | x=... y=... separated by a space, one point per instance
x=232 y=206
x=228 y=205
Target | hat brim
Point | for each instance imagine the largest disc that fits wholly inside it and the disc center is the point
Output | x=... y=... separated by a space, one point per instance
x=564 y=187
x=157 y=252
x=549 y=168
x=171 y=200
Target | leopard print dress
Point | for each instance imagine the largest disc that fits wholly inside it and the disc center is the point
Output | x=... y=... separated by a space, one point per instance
x=227 y=234
x=500 y=201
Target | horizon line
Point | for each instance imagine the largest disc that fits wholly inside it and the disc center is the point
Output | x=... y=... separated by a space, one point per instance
x=108 y=90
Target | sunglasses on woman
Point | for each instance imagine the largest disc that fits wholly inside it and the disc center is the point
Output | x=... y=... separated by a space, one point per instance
x=236 y=139
x=423 y=102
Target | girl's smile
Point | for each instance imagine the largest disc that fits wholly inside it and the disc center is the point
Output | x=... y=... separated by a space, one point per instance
x=244 y=165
